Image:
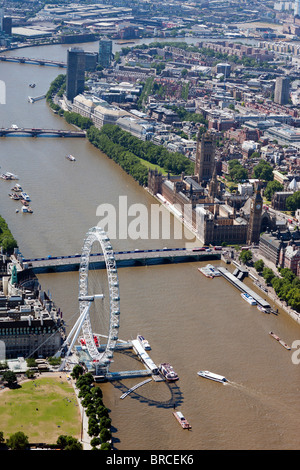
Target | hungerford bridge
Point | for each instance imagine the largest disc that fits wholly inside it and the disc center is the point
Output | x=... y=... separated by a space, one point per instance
x=96 y=357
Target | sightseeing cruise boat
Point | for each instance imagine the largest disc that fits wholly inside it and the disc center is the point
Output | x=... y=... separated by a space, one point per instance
x=210 y=271
x=210 y=375
x=143 y=342
x=168 y=372
x=27 y=210
x=17 y=188
x=9 y=176
x=182 y=420
x=15 y=197
x=25 y=197
x=248 y=298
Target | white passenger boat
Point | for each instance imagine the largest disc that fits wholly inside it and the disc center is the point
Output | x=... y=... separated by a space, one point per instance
x=27 y=210
x=25 y=197
x=210 y=375
x=214 y=270
x=143 y=342
x=248 y=298
x=209 y=271
x=71 y=158
x=9 y=176
x=17 y=188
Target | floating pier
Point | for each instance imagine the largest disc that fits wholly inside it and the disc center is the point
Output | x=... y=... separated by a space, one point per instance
x=243 y=287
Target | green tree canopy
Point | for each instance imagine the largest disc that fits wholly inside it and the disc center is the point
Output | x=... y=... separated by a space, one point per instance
x=271 y=188
x=293 y=202
x=263 y=171
x=18 y=441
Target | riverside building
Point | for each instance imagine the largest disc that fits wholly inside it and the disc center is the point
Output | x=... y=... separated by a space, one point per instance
x=30 y=324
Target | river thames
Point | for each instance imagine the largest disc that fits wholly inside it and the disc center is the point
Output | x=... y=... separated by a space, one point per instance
x=193 y=322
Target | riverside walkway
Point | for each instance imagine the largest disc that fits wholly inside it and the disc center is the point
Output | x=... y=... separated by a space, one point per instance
x=123 y=259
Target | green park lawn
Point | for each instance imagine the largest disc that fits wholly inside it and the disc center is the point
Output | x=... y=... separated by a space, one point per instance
x=43 y=409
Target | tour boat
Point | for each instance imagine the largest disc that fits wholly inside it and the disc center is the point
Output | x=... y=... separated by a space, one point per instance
x=17 y=188
x=25 y=197
x=206 y=272
x=15 y=197
x=144 y=342
x=27 y=210
x=71 y=158
x=182 y=420
x=9 y=176
x=248 y=298
x=214 y=270
x=209 y=271
x=210 y=375
x=168 y=372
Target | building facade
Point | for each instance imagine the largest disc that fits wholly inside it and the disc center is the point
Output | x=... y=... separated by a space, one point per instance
x=282 y=90
x=75 y=72
x=105 y=52
x=205 y=158
x=254 y=225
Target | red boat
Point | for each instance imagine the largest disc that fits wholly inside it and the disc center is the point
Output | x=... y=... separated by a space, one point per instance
x=168 y=372
x=274 y=336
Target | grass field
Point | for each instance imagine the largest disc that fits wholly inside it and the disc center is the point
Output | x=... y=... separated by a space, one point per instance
x=43 y=409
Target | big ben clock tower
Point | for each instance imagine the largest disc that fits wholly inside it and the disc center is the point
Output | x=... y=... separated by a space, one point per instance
x=255 y=217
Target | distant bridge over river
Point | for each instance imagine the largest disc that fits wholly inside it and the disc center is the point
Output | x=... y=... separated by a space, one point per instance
x=31 y=61
x=123 y=259
x=27 y=132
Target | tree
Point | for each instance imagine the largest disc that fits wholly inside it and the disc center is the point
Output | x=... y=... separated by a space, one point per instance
x=105 y=435
x=68 y=443
x=18 y=441
x=271 y=188
x=245 y=256
x=237 y=172
x=268 y=275
x=263 y=171
x=259 y=265
x=10 y=378
x=293 y=202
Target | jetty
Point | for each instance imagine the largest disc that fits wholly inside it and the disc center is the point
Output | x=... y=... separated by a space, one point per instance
x=236 y=282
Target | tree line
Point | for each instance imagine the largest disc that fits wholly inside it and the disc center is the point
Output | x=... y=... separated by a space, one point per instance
x=119 y=141
x=99 y=422
x=7 y=241
x=286 y=285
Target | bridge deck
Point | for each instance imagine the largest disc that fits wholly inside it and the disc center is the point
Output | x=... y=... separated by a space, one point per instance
x=123 y=259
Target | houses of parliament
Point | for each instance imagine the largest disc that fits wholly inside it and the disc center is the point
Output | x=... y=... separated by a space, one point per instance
x=214 y=215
